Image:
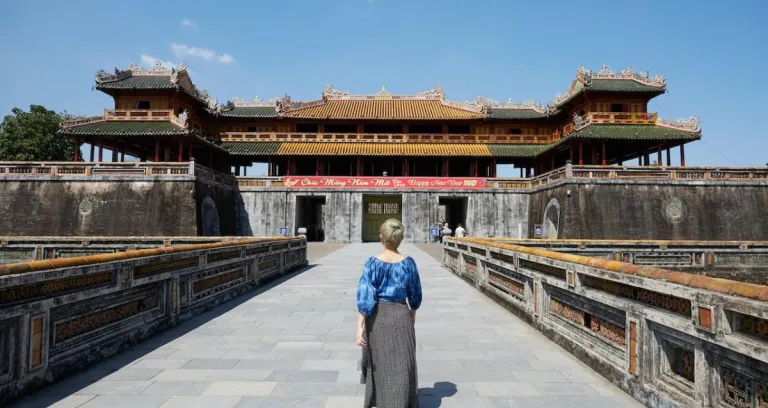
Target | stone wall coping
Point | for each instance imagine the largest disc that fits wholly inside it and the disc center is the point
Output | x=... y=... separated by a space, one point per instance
x=724 y=286
x=34 y=266
x=629 y=242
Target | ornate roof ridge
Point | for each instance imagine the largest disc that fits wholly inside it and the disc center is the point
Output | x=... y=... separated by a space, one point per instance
x=584 y=78
x=690 y=124
x=178 y=76
x=257 y=102
x=330 y=93
x=509 y=104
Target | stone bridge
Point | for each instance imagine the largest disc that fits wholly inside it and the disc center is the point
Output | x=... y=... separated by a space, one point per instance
x=289 y=341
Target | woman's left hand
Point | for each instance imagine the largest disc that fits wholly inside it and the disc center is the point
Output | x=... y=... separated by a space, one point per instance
x=360 y=339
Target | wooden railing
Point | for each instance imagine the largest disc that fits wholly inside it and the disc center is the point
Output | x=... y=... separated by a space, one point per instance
x=94 y=169
x=667 y=338
x=138 y=114
x=384 y=137
x=624 y=118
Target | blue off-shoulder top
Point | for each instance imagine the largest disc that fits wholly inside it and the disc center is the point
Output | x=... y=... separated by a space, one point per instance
x=392 y=282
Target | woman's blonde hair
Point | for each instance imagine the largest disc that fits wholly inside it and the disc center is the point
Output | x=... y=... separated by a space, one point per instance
x=392 y=233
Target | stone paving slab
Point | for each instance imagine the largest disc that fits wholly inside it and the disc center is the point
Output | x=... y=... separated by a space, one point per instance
x=292 y=345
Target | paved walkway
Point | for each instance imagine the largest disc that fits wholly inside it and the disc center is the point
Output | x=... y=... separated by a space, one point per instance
x=292 y=345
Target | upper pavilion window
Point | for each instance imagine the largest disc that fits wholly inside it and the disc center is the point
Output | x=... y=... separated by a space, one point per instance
x=617 y=107
x=142 y=105
x=514 y=131
x=425 y=128
x=307 y=127
x=459 y=129
x=252 y=129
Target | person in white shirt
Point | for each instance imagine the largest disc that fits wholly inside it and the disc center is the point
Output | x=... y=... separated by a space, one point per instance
x=460 y=231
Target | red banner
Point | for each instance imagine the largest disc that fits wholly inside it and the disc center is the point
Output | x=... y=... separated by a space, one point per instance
x=385 y=183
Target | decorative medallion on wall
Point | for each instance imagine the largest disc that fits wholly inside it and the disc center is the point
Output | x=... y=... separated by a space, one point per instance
x=86 y=205
x=674 y=210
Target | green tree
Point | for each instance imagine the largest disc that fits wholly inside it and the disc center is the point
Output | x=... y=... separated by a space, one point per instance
x=31 y=136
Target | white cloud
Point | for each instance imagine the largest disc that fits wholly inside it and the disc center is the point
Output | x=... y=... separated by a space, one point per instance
x=181 y=51
x=149 y=61
x=187 y=23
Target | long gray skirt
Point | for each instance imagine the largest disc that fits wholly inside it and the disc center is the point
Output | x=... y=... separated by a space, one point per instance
x=388 y=364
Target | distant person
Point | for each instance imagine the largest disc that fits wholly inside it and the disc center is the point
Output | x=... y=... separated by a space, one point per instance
x=385 y=323
x=460 y=231
x=445 y=232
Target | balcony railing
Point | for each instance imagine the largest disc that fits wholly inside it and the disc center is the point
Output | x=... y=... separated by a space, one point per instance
x=131 y=114
x=138 y=114
x=734 y=174
x=623 y=118
x=383 y=137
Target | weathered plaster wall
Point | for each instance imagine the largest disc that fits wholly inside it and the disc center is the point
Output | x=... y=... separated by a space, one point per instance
x=262 y=213
x=97 y=207
x=224 y=201
x=658 y=210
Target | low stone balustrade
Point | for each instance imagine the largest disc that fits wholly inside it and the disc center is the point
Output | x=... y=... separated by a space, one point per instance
x=59 y=316
x=670 y=339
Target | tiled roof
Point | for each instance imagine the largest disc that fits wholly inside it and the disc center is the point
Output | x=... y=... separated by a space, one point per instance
x=139 y=82
x=383 y=109
x=251 y=112
x=621 y=85
x=501 y=113
x=252 y=148
x=633 y=132
x=626 y=132
x=515 y=150
x=125 y=128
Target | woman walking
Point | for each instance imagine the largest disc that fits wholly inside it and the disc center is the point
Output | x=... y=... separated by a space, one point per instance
x=385 y=323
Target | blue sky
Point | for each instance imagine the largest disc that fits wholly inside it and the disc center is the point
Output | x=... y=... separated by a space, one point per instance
x=713 y=53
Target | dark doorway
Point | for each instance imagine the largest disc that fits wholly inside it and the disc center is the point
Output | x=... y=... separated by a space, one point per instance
x=453 y=210
x=376 y=210
x=310 y=212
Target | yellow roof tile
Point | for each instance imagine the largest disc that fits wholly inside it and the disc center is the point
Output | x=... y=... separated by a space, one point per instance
x=383 y=109
x=380 y=149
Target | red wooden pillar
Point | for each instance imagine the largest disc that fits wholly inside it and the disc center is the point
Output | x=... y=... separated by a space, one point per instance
x=647 y=157
x=658 y=155
x=446 y=172
x=122 y=156
x=101 y=149
x=605 y=159
x=553 y=162
x=682 y=155
x=77 y=150
x=181 y=150
x=407 y=167
x=521 y=172
x=157 y=150
x=669 y=156
x=317 y=166
x=493 y=168
x=288 y=167
x=114 y=153
x=581 y=154
x=93 y=148
x=594 y=154
x=570 y=153
x=474 y=165
x=191 y=152
x=269 y=166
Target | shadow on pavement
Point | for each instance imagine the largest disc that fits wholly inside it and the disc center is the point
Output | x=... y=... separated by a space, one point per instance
x=433 y=397
x=53 y=393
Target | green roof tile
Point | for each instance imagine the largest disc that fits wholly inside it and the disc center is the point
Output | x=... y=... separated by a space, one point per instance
x=251 y=148
x=139 y=82
x=633 y=132
x=251 y=112
x=621 y=85
x=516 y=150
x=125 y=128
x=501 y=113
